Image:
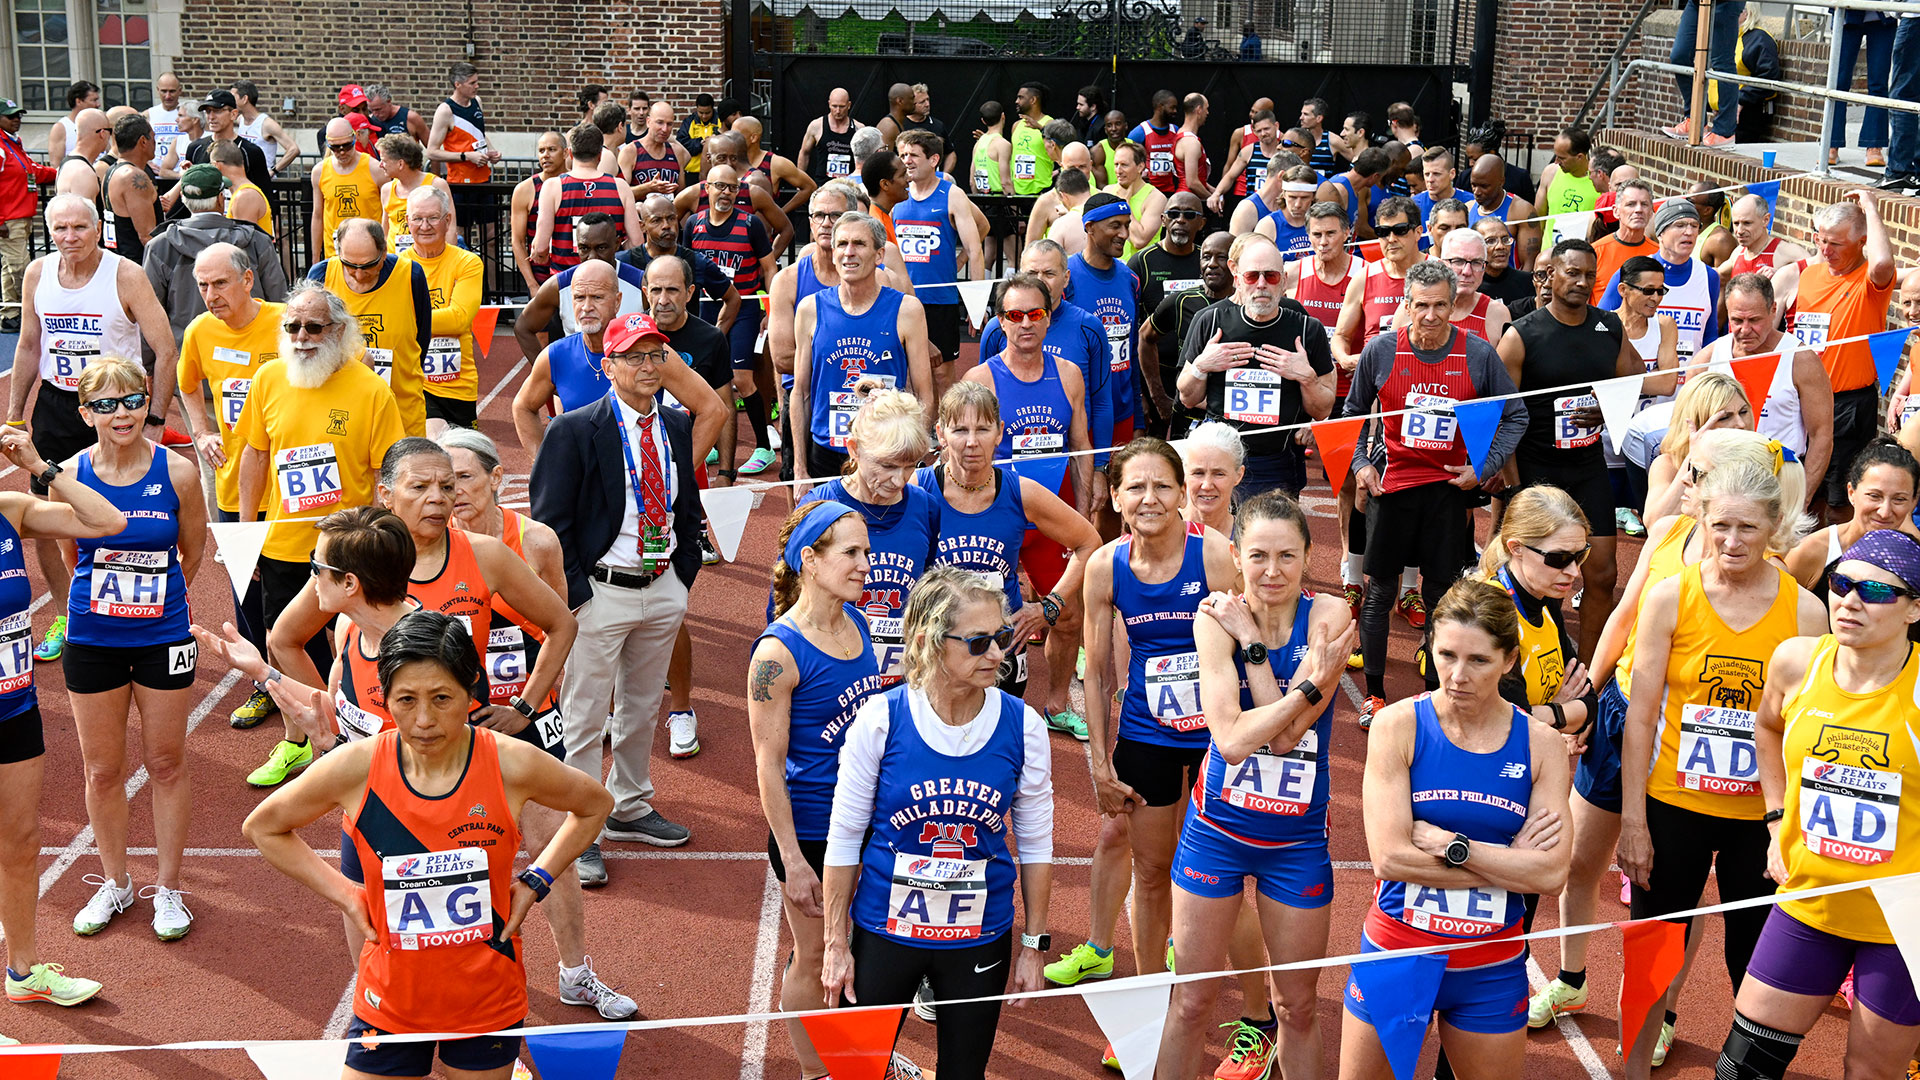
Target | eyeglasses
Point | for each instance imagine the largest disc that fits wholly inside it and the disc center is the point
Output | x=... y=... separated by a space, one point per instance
x=1462 y=264
x=1255 y=277
x=417 y=220
x=639 y=358
x=107 y=406
x=977 y=643
x=313 y=329
x=1871 y=592
x=1543 y=275
x=1182 y=215
x=824 y=215
x=1695 y=473
x=314 y=566
x=714 y=185
x=340 y=147
x=374 y=265
x=1560 y=560
x=1655 y=291
x=1022 y=318
x=1395 y=230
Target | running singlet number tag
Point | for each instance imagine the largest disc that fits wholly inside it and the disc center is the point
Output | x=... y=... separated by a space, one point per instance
x=233 y=398
x=506 y=663
x=1908 y=408
x=1568 y=433
x=233 y=357
x=1025 y=167
x=938 y=897
x=1812 y=327
x=402 y=242
x=437 y=899
x=128 y=584
x=842 y=407
x=1716 y=751
x=1431 y=426
x=839 y=165
x=1457 y=912
x=354 y=721
x=1119 y=348
x=16 y=652
x=1160 y=162
x=309 y=477
x=982 y=180
x=1275 y=783
x=1252 y=395
x=917 y=241
x=889 y=644
x=1848 y=812
x=73 y=342
x=1175 y=286
x=382 y=361
x=1036 y=443
x=1173 y=691
x=443 y=360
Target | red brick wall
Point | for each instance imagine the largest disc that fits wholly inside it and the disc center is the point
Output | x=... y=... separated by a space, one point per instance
x=533 y=54
x=1548 y=55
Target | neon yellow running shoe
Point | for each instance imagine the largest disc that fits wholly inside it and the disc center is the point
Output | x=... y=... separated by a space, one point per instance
x=1554 y=1000
x=54 y=643
x=286 y=759
x=1665 y=1044
x=1170 y=970
x=1083 y=962
x=253 y=711
x=46 y=983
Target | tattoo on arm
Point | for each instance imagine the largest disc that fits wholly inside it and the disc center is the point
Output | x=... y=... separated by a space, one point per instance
x=764 y=674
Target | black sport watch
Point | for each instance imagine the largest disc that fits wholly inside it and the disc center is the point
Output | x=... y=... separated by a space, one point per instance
x=521 y=706
x=1458 y=849
x=46 y=478
x=1308 y=691
x=1257 y=653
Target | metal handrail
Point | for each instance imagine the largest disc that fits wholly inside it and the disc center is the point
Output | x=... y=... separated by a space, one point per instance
x=1580 y=116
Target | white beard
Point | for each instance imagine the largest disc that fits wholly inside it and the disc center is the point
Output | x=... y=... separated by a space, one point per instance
x=311 y=371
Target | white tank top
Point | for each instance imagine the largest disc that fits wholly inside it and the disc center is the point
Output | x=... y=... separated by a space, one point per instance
x=1647 y=348
x=1780 y=416
x=166 y=124
x=72 y=135
x=251 y=133
x=1691 y=305
x=78 y=326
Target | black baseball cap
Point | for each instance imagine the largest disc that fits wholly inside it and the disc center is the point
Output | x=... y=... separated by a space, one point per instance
x=220 y=99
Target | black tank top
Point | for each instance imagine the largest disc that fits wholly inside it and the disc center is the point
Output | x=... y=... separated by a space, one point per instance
x=1562 y=355
x=395 y=124
x=117 y=234
x=833 y=155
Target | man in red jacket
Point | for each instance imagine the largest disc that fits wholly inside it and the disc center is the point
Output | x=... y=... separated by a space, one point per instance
x=20 y=177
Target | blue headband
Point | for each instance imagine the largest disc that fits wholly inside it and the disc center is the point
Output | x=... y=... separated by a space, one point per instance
x=811 y=528
x=1102 y=213
x=1890 y=550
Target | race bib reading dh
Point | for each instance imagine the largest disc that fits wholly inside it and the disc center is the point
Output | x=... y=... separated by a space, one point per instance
x=937 y=897
x=1275 y=783
x=308 y=476
x=1456 y=912
x=1431 y=426
x=1568 y=433
x=16 y=652
x=1716 y=751
x=437 y=899
x=1173 y=691
x=839 y=165
x=128 y=584
x=442 y=362
x=233 y=398
x=1252 y=395
x=1848 y=812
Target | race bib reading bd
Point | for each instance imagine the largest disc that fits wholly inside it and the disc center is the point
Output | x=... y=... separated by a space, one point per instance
x=128 y=584
x=437 y=899
x=1716 y=751
x=308 y=477
x=1173 y=691
x=1848 y=812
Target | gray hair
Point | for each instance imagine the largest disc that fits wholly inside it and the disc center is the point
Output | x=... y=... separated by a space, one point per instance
x=1848 y=213
x=1429 y=272
x=1051 y=247
x=867 y=222
x=1214 y=435
x=1059 y=132
x=475 y=443
x=837 y=189
x=440 y=198
x=240 y=261
x=1447 y=206
x=337 y=312
x=377 y=92
x=864 y=143
x=67 y=199
x=208 y=205
x=376 y=232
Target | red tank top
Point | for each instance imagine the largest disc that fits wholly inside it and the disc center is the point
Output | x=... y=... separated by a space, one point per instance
x=459 y=589
x=1421 y=444
x=1384 y=295
x=1743 y=264
x=647 y=167
x=579 y=198
x=359 y=704
x=1163 y=165
x=1323 y=302
x=541 y=272
x=513 y=642
x=438 y=874
x=1475 y=322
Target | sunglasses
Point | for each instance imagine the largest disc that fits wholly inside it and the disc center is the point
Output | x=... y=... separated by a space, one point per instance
x=374 y=265
x=1395 y=230
x=1560 y=560
x=1656 y=291
x=340 y=147
x=977 y=644
x=1694 y=473
x=313 y=329
x=1290 y=142
x=1871 y=592
x=107 y=406
x=1255 y=277
x=314 y=566
x=1021 y=318
x=1182 y=215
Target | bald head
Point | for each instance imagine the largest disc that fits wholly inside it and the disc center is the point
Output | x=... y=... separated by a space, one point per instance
x=657 y=203
x=1260 y=105
x=1075 y=155
x=222 y=256
x=1752 y=205
x=95 y=131
x=338 y=129
x=900 y=96
x=747 y=128
x=1489 y=167
x=598 y=272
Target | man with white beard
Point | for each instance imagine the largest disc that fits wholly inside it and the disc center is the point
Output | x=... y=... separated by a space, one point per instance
x=317 y=422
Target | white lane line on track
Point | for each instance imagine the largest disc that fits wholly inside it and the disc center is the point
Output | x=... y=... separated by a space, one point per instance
x=342 y=1013
x=1569 y=1028
x=760 y=997
x=499 y=386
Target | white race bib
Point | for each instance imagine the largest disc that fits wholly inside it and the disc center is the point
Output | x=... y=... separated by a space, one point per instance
x=308 y=476
x=839 y=165
x=442 y=362
x=1811 y=327
x=1025 y=166
x=1252 y=395
x=889 y=644
x=1036 y=443
x=1431 y=426
x=1120 y=348
x=506 y=662
x=1717 y=756
x=937 y=897
x=354 y=721
x=1275 y=783
x=233 y=398
x=437 y=899
x=1848 y=812
x=1172 y=687
x=72 y=342
x=1567 y=432
x=16 y=652
x=917 y=241
x=382 y=361
x=128 y=584
x=1457 y=912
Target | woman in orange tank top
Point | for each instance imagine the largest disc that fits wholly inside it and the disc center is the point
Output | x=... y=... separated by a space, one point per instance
x=430 y=807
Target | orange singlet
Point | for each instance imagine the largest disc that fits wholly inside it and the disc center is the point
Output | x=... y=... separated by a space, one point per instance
x=439 y=898
x=459 y=589
x=513 y=643
x=359 y=705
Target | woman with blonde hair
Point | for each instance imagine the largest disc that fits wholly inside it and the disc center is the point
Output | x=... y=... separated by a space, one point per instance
x=1708 y=401
x=1536 y=557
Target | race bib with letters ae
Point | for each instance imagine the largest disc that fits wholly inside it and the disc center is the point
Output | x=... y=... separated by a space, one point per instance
x=1456 y=912
x=1269 y=783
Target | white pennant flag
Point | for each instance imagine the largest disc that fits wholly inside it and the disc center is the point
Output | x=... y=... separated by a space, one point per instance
x=1131 y=1013
x=975 y=294
x=1618 y=397
x=239 y=543
x=1900 y=903
x=727 y=510
x=298 y=1060
x=1573 y=226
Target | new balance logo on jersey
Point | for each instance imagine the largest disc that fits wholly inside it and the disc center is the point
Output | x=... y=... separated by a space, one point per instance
x=1190 y=588
x=151 y=489
x=1513 y=770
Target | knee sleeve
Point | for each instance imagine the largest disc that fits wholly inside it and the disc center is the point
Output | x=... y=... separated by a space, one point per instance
x=1754 y=1051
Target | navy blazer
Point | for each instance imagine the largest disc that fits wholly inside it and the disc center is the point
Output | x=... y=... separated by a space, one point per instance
x=579 y=489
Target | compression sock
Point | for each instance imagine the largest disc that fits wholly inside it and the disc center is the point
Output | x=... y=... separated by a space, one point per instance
x=1575 y=979
x=1409 y=579
x=756 y=419
x=1350 y=572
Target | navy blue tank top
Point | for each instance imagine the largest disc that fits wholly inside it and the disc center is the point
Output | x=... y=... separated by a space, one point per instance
x=16 y=625
x=846 y=349
x=1036 y=418
x=578 y=377
x=827 y=694
x=127 y=589
x=987 y=542
x=1162 y=704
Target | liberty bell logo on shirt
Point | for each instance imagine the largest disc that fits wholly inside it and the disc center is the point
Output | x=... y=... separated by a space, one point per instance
x=949 y=840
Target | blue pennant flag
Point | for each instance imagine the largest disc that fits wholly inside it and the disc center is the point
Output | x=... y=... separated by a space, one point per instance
x=1768 y=190
x=1887 y=347
x=578 y=1055
x=1398 y=994
x=1478 y=421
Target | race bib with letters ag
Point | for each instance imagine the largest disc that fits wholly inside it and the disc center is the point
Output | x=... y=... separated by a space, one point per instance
x=437 y=899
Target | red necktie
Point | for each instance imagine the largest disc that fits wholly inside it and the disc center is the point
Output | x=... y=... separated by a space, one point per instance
x=652 y=484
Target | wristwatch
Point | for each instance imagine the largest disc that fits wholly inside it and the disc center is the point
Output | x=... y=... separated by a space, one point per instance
x=1257 y=653
x=156 y=421
x=273 y=676
x=1458 y=850
x=1050 y=606
x=1772 y=816
x=536 y=879
x=46 y=478
x=521 y=706
x=1308 y=691
x=1037 y=942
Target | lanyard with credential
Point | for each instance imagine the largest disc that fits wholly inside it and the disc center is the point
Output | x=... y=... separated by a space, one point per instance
x=650 y=512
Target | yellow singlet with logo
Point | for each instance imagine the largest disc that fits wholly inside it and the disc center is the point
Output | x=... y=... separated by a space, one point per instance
x=1667 y=559
x=352 y=195
x=1704 y=758
x=394 y=208
x=391 y=337
x=1850 y=758
x=1542 y=666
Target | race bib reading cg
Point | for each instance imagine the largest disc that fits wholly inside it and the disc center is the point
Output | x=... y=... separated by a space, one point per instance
x=1455 y=912
x=1431 y=426
x=308 y=477
x=1173 y=691
x=937 y=897
x=128 y=584
x=1567 y=431
x=437 y=899
x=442 y=362
x=1252 y=395
x=917 y=241
x=1716 y=751
x=1848 y=812
x=1275 y=783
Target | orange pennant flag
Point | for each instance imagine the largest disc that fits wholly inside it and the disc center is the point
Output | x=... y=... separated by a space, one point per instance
x=1335 y=440
x=1652 y=951
x=31 y=1067
x=1756 y=376
x=483 y=323
x=855 y=1044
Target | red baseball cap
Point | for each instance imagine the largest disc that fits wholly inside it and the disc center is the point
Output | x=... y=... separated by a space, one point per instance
x=352 y=94
x=629 y=329
x=359 y=122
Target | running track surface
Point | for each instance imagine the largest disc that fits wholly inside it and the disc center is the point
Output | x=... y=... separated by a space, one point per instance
x=691 y=932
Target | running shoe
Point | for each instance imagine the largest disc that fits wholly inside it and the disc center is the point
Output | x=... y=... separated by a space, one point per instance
x=4 y=1041
x=170 y=437
x=1628 y=522
x=108 y=900
x=1355 y=596
x=1661 y=1047
x=1626 y=890
x=54 y=643
x=759 y=461
x=1367 y=711
x=1554 y=1000
x=901 y=1067
x=1080 y=665
x=708 y=556
x=713 y=457
x=923 y=1002
x=591 y=867
x=587 y=989
x=46 y=983
x=1846 y=989
x=1110 y=1059
x=1677 y=131
x=520 y=1070
x=1083 y=962
x=171 y=919
x=287 y=758
x=684 y=734
x=253 y=712
x=1249 y=1053
x=1723 y=140
x=1413 y=608
x=1170 y=970
x=1068 y=722
x=1356 y=660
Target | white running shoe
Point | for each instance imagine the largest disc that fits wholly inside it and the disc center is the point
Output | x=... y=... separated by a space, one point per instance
x=587 y=989
x=171 y=919
x=683 y=734
x=109 y=900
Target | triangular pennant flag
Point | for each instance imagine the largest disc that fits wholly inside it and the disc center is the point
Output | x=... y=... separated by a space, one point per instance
x=297 y=1060
x=1900 y=903
x=1756 y=376
x=1478 y=420
x=1398 y=993
x=855 y=1044
x=1617 y=400
x=975 y=294
x=1887 y=347
x=239 y=543
x=1572 y=226
x=1652 y=953
x=1768 y=190
x=47 y=1067
x=727 y=510
x=1131 y=1013
x=1335 y=440
x=483 y=323
x=578 y=1055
